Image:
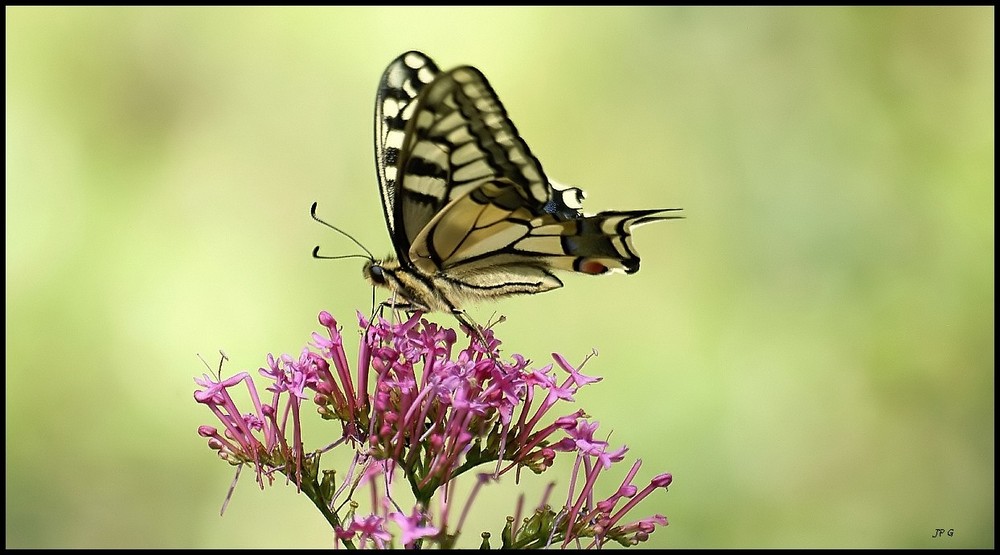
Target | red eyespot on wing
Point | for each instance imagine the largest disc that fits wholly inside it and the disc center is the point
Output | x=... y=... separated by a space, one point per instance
x=591 y=267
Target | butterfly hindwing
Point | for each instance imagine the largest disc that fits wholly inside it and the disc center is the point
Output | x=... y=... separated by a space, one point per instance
x=491 y=227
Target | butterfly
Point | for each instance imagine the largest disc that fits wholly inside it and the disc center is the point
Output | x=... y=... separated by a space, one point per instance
x=470 y=212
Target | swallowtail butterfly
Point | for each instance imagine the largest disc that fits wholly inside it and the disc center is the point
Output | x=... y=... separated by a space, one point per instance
x=469 y=210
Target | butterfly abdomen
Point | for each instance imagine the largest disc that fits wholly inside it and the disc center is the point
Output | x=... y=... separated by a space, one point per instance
x=442 y=292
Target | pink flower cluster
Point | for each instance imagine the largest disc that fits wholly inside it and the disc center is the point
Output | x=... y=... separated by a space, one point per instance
x=431 y=413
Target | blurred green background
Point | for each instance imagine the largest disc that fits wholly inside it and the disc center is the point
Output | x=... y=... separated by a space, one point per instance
x=810 y=352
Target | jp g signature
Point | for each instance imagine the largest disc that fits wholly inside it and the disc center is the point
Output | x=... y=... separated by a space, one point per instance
x=938 y=532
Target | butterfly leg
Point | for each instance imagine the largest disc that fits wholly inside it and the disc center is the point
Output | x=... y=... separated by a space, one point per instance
x=476 y=330
x=395 y=305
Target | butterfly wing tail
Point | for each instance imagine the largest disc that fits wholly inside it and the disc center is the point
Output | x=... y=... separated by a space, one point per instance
x=602 y=243
x=649 y=216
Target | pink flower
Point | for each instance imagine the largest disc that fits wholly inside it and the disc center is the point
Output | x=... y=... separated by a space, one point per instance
x=365 y=529
x=412 y=526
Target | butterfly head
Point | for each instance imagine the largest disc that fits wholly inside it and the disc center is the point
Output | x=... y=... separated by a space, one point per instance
x=376 y=273
x=407 y=288
x=384 y=273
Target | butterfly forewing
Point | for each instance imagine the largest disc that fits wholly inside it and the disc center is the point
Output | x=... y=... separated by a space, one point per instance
x=441 y=136
x=394 y=107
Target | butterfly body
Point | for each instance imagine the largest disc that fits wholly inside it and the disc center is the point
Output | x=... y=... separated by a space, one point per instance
x=443 y=293
x=470 y=212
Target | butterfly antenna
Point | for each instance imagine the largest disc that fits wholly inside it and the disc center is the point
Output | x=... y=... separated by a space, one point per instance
x=312 y=212
x=322 y=257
